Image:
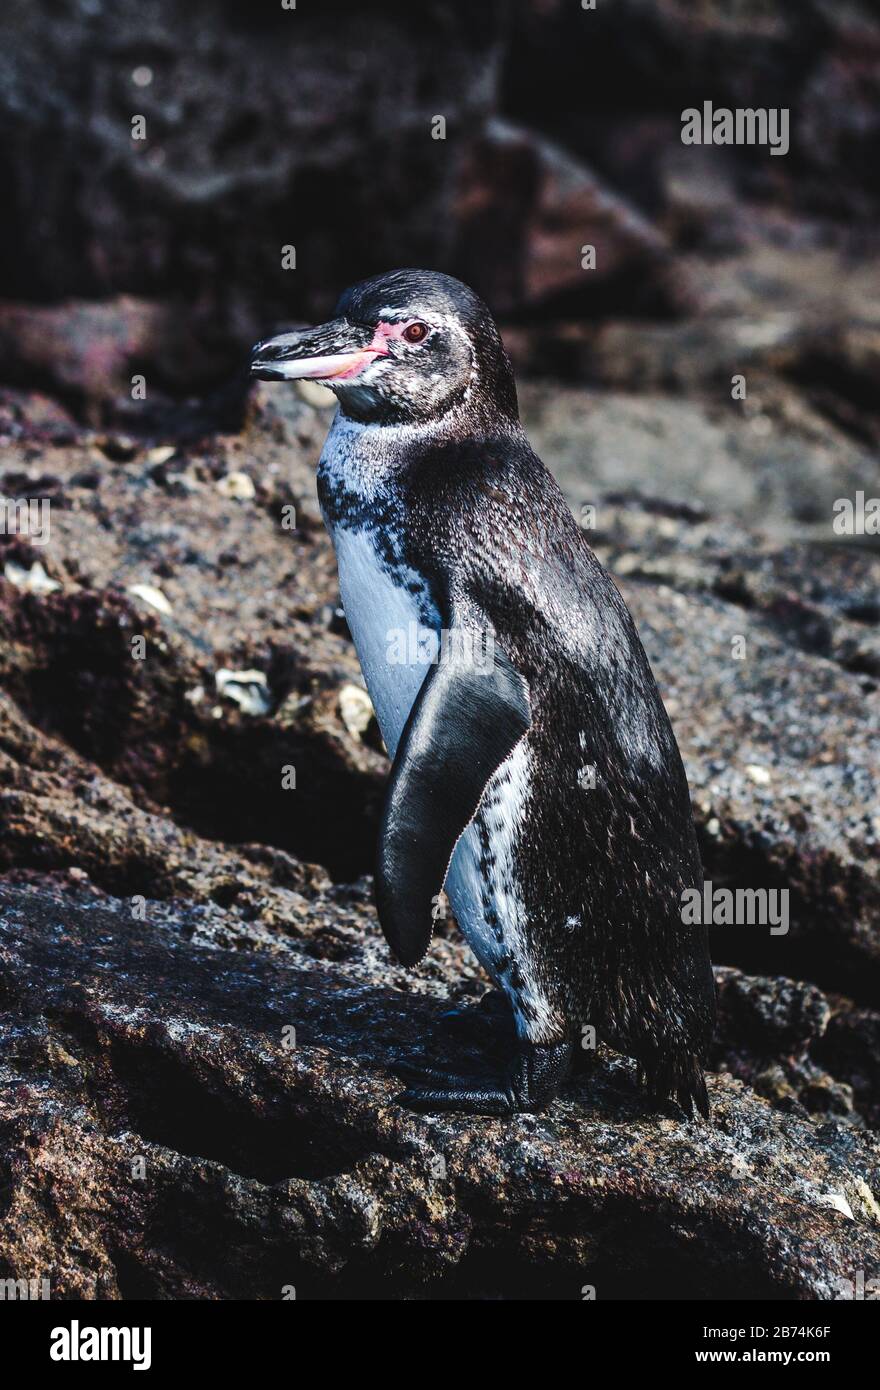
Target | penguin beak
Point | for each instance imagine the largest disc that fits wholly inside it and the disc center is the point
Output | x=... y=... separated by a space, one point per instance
x=338 y=349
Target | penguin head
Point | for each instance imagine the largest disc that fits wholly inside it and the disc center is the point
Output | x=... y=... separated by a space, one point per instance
x=408 y=347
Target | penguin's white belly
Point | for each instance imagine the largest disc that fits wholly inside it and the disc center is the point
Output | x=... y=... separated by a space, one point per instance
x=486 y=896
x=386 y=611
x=385 y=619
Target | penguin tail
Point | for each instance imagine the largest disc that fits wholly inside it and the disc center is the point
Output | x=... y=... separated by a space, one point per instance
x=695 y=1095
x=682 y=1077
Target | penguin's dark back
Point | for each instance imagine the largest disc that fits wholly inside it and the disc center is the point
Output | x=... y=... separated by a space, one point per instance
x=615 y=846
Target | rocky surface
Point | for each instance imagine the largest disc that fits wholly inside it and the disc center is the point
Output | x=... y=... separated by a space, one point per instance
x=165 y=1134
x=317 y=131
x=198 y=1015
x=613 y=81
x=170 y=909
x=257 y=128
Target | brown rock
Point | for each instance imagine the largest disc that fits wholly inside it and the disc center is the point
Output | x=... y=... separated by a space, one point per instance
x=529 y=197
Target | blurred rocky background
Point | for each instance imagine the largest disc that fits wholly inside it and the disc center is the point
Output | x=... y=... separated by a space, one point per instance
x=167 y=907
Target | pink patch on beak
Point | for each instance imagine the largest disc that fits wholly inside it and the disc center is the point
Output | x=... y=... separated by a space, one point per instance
x=342 y=366
x=351 y=363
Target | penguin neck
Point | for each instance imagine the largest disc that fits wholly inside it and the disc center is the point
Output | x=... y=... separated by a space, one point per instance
x=466 y=421
x=363 y=466
x=368 y=459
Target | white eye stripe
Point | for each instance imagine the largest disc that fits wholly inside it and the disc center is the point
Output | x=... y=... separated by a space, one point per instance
x=375 y=373
x=432 y=318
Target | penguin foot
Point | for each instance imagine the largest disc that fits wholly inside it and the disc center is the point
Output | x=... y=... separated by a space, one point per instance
x=493 y=1011
x=529 y=1083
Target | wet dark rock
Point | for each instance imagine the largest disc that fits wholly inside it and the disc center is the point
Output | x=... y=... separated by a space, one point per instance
x=567 y=67
x=258 y=128
x=169 y=908
x=773 y=1034
x=545 y=208
x=162 y=922
x=163 y=1138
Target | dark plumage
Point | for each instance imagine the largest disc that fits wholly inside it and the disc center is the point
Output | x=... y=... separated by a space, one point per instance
x=570 y=892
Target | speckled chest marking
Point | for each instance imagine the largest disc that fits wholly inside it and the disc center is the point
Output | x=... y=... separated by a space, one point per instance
x=388 y=605
x=383 y=598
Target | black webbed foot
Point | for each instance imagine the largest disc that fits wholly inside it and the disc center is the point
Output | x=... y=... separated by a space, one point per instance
x=471 y=1021
x=529 y=1083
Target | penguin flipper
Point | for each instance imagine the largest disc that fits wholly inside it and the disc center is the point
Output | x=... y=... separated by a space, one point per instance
x=466 y=720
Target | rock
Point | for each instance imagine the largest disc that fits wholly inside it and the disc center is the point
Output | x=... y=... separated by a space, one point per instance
x=167 y=1134
x=313 y=393
x=850 y=1047
x=356 y=709
x=148 y=593
x=34 y=580
x=82 y=348
x=774 y=1015
x=164 y=925
x=245 y=594
x=798 y=323
x=245 y=146
x=35 y=415
x=162 y=454
x=238 y=485
x=249 y=690
x=809 y=830
x=545 y=207
x=771 y=1034
x=568 y=68
x=62 y=815
x=89 y=352
x=821 y=599
x=198 y=1013
x=761 y=776
x=758 y=465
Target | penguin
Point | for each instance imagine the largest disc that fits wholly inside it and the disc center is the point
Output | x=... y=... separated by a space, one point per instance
x=535 y=773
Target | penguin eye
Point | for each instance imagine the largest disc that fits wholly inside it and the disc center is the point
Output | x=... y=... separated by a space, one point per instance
x=415 y=332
